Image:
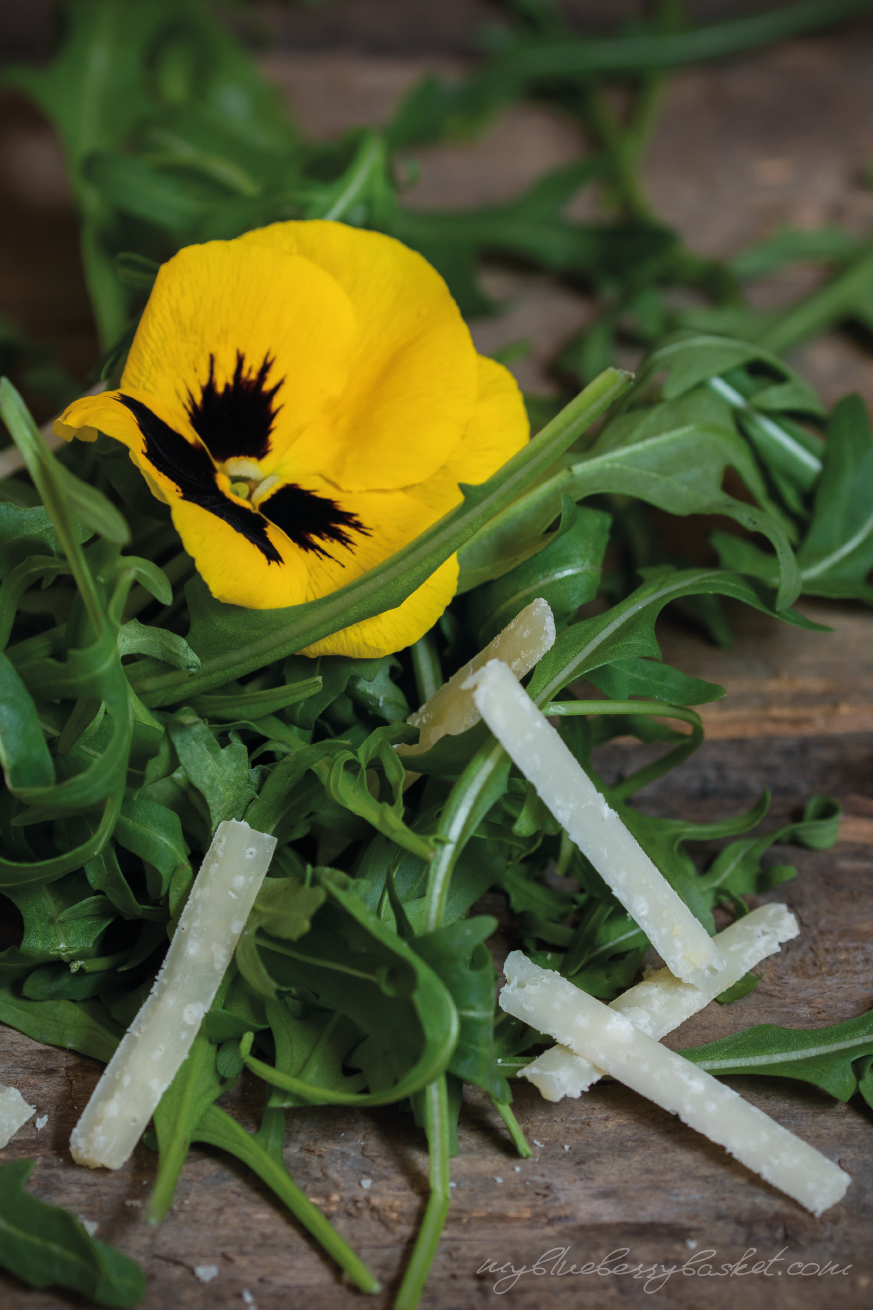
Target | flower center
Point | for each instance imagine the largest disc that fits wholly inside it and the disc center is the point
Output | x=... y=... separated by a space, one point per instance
x=247 y=479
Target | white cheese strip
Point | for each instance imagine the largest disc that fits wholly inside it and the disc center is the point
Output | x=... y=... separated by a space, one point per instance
x=161 y=1035
x=661 y=1003
x=612 y=1043
x=452 y=710
x=563 y=785
x=14 y=1111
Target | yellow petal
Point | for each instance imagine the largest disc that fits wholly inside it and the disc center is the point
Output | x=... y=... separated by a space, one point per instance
x=225 y=297
x=413 y=380
x=395 y=629
x=498 y=429
x=234 y=570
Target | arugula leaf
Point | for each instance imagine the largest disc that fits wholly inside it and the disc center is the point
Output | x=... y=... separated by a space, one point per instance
x=46 y=1246
x=836 y=555
x=636 y=676
x=566 y=573
x=84 y=1026
x=627 y=629
x=395 y=997
x=821 y=1056
x=220 y=776
x=458 y=956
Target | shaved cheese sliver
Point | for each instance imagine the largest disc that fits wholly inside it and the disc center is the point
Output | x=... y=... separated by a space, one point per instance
x=452 y=710
x=565 y=788
x=161 y=1035
x=661 y=1003
x=14 y=1112
x=611 y=1042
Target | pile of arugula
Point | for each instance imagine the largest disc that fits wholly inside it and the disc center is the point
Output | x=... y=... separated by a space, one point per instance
x=137 y=713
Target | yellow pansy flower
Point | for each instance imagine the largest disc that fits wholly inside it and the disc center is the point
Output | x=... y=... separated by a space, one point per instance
x=306 y=399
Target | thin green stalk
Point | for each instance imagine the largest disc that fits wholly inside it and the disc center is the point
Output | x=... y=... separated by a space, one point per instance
x=519 y=1140
x=822 y=310
x=217 y=1128
x=461 y=815
x=370 y=157
x=626 y=54
x=436 y=1120
x=622 y=148
x=426 y=668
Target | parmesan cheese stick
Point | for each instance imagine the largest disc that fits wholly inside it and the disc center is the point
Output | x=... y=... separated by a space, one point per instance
x=563 y=785
x=611 y=1042
x=14 y=1112
x=161 y=1035
x=451 y=710
x=661 y=1003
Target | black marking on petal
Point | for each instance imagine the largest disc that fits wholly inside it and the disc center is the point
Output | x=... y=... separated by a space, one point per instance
x=236 y=421
x=193 y=472
x=309 y=519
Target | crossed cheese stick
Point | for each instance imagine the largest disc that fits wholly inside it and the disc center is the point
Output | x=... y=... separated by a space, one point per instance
x=622 y=1040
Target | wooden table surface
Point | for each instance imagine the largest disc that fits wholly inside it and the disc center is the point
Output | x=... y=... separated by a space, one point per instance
x=610 y=1171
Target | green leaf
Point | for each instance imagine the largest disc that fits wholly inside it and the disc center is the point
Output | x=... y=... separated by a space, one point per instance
x=792 y=244
x=135 y=638
x=566 y=573
x=350 y=962
x=253 y=704
x=737 y=871
x=821 y=1056
x=316 y=1046
x=154 y=833
x=283 y=908
x=220 y=776
x=627 y=630
x=84 y=1026
x=838 y=548
x=636 y=676
x=23 y=532
x=48 y=932
x=743 y=987
x=64 y=495
x=458 y=956
x=46 y=1246
x=23 y=750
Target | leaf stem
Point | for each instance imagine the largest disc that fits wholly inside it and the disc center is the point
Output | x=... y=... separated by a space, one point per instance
x=436 y=1118
x=217 y=1128
x=426 y=668
x=519 y=1140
